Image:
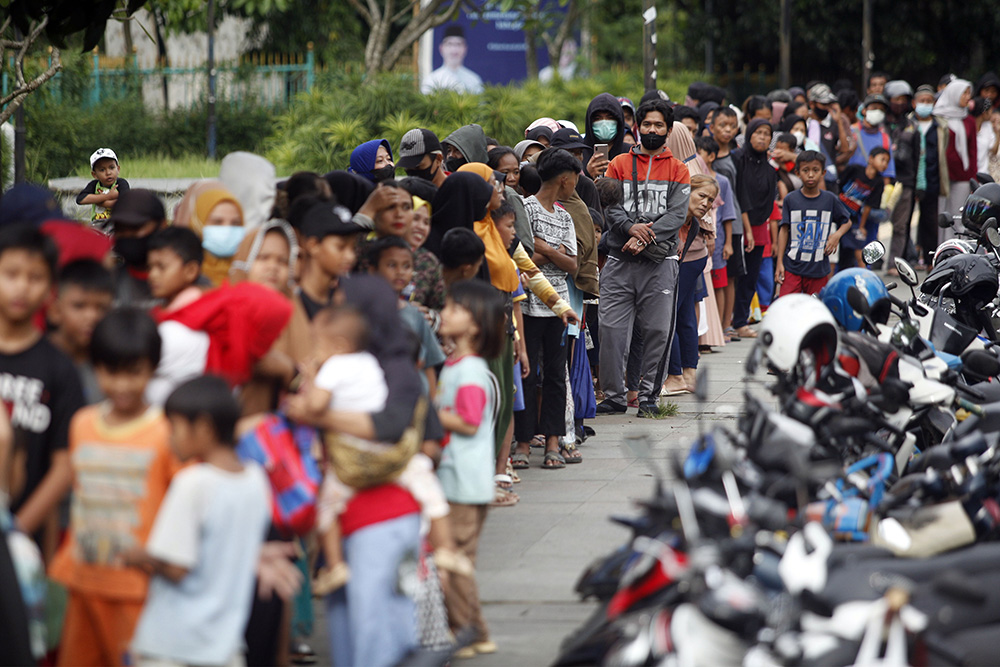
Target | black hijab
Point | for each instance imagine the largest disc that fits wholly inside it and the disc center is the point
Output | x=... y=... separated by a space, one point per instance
x=463 y=198
x=756 y=179
x=351 y=190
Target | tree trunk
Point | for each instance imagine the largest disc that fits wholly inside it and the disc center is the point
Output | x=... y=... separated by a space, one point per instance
x=380 y=55
x=531 y=53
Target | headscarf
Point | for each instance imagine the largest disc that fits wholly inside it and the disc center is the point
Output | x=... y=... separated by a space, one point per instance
x=777 y=111
x=244 y=258
x=706 y=108
x=462 y=199
x=251 y=179
x=947 y=107
x=522 y=146
x=541 y=131
x=545 y=121
x=363 y=158
x=193 y=211
x=756 y=179
x=351 y=190
x=418 y=203
x=681 y=144
x=795 y=91
x=503 y=272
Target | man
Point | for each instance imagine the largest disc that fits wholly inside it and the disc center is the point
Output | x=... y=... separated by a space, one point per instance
x=876 y=83
x=421 y=156
x=870 y=133
x=905 y=138
x=928 y=184
x=135 y=217
x=824 y=128
x=464 y=145
x=900 y=96
x=577 y=203
x=453 y=75
x=639 y=281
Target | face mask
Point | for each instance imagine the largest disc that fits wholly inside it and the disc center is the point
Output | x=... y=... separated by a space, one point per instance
x=605 y=130
x=800 y=137
x=384 y=173
x=925 y=109
x=821 y=113
x=222 y=240
x=652 y=141
x=425 y=174
x=453 y=163
x=874 y=117
x=132 y=251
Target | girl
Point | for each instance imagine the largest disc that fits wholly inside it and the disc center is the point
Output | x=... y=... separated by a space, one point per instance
x=473 y=317
x=428 y=282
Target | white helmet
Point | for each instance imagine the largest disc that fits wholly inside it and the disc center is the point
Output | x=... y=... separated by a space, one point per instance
x=794 y=323
x=950 y=248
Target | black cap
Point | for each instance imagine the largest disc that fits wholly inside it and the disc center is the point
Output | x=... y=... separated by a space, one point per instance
x=567 y=138
x=137 y=207
x=454 y=30
x=414 y=145
x=876 y=98
x=328 y=219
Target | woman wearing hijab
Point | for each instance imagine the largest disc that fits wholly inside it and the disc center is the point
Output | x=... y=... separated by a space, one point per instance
x=756 y=189
x=213 y=213
x=952 y=110
x=350 y=190
x=251 y=179
x=373 y=160
x=462 y=199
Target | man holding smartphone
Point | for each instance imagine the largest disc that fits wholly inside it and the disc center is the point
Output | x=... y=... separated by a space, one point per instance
x=605 y=125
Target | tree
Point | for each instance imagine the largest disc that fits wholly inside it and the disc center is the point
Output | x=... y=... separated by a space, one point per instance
x=382 y=51
x=552 y=21
x=21 y=45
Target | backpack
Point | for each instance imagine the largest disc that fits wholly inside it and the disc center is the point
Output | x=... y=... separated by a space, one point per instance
x=283 y=449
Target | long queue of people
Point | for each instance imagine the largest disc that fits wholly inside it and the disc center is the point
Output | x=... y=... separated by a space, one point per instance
x=319 y=386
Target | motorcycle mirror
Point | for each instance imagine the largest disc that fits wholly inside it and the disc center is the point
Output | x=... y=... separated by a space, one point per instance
x=981 y=363
x=856 y=300
x=984 y=178
x=992 y=235
x=904 y=332
x=906 y=272
x=873 y=252
x=945 y=221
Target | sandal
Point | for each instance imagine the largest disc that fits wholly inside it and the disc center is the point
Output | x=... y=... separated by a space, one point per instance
x=746 y=332
x=538 y=442
x=513 y=475
x=731 y=334
x=571 y=454
x=504 y=498
x=519 y=461
x=453 y=561
x=553 y=461
x=330 y=579
x=503 y=482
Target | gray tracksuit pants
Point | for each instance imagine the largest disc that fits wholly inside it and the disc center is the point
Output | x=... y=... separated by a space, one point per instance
x=643 y=295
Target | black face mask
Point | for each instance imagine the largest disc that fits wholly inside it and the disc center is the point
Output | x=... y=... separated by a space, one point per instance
x=821 y=113
x=133 y=251
x=425 y=174
x=384 y=173
x=453 y=163
x=652 y=141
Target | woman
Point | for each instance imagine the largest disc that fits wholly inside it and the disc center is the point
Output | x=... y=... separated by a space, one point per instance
x=428 y=282
x=462 y=199
x=504 y=160
x=527 y=149
x=373 y=160
x=952 y=110
x=213 y=213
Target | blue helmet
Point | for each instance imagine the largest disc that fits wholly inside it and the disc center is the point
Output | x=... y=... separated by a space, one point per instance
x=834 y=295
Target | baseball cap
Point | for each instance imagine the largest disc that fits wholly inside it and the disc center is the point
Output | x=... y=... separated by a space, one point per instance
x=102 y=153
x=568 y=139
x=414 y=145
x=328 y=219
x=925 y=88
x=821 y=93
x=876 y=99
x=137 y=207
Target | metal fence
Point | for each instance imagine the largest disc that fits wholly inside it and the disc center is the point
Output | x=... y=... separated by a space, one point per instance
x=171 y=83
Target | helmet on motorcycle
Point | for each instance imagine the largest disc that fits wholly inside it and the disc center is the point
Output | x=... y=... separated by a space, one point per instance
x=794 y=323
x=981 y=205
x=950 y=248
x=834 y=296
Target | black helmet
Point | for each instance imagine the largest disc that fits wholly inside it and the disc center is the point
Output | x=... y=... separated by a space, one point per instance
x=981 y=205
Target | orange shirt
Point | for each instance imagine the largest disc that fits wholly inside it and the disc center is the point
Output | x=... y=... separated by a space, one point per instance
x=121 y=474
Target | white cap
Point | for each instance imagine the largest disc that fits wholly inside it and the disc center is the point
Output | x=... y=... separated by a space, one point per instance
x=102 y=153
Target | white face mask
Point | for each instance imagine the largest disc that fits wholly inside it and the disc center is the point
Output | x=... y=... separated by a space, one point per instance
x=875 y=117
x=800 y=137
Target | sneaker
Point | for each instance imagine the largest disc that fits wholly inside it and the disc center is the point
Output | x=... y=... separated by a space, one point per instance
x=649 y=409
x=610 y=408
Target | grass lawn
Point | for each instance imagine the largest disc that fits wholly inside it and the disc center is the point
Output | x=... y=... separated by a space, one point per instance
x=158 y=166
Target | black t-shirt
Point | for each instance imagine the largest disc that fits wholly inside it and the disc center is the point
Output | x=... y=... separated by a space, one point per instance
x=91 y=189
x=41 y=391
x=311 y=307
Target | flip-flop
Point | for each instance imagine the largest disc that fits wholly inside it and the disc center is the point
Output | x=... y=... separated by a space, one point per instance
x=733 y=336
x=519 y=461
x=553 y=461
x=538 y=442
x=571 y=454
x=504 y=498
x=747 y=332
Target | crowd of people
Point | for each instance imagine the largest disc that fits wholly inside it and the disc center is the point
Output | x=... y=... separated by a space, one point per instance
x=318 y=386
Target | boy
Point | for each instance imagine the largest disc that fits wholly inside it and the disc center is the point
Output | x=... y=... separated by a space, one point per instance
x=122 y=466
x=861 y=191
x=726 y=213
x=203 y=549
x=102 y=192
x=462 y=253
x=804 y=237
x=784 y=154
x=38 y=382
x=86 y=290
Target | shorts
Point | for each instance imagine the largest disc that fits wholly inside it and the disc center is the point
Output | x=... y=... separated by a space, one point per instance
x=720 y=278
x=736 y=266
x=795 y=284
x=418 y=478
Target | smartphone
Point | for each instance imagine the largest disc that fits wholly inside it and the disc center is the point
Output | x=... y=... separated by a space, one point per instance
x=602 y=149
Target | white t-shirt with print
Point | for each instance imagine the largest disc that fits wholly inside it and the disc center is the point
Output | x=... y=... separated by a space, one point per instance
x=555 y=228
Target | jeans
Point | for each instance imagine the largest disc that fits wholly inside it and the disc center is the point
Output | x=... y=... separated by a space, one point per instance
x=684 y=351
x=927 y=225
x=547 y=345
x=746 y=287
x=371 y=622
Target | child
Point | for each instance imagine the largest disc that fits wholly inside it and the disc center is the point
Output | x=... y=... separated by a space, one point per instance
x=86 y=290
x=102 y=192
x=725 y=216
x=725 y=125
x=39 y=383
x=861 y=191
x=462 y=253
x=805 y=237
x=352 y=380
x=205 y=543
x=467 y=400
x=122 y=466
x=784 y=154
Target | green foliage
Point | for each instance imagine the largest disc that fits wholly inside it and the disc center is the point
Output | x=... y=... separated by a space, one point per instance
x=160 y=165
x=321 y=128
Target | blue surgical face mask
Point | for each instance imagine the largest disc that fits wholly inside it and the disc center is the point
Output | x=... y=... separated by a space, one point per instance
x=924 y=109
x=605 y=130
x=222 y=240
